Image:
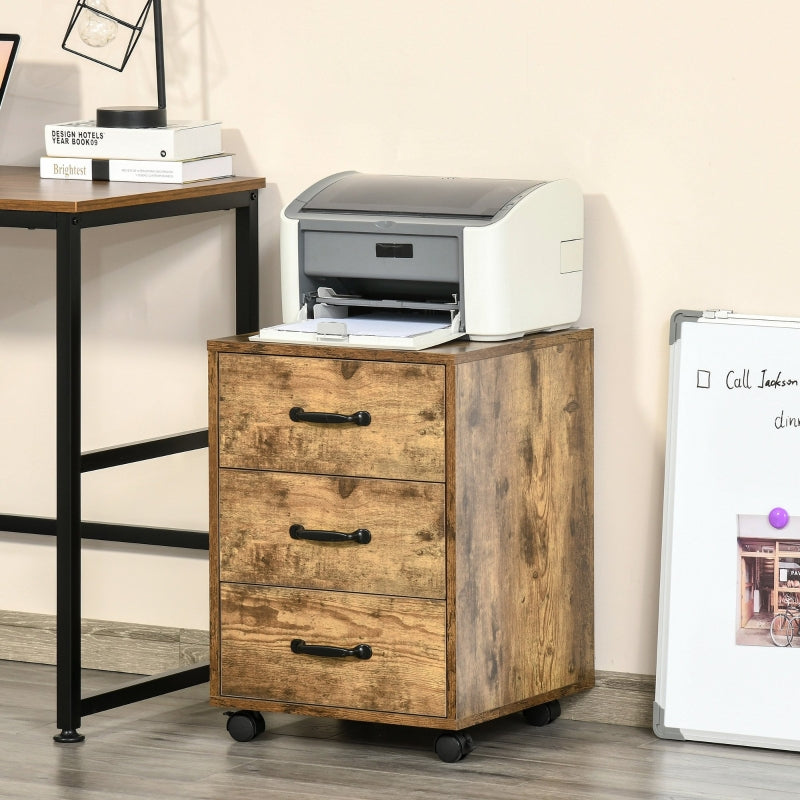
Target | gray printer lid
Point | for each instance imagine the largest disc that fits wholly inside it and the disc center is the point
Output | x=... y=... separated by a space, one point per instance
x=402 y=195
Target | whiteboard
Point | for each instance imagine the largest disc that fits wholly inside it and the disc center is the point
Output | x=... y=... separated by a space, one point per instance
x=731 y=528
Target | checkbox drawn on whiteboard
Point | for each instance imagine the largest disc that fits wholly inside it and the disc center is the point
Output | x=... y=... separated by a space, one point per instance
x=703 y=379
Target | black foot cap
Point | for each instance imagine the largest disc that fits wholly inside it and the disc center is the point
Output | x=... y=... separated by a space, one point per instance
x=68 y=737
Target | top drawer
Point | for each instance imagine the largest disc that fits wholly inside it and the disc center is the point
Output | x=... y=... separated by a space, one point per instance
x=405 y=402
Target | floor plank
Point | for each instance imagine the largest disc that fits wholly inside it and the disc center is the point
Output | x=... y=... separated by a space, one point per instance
x=175 y=747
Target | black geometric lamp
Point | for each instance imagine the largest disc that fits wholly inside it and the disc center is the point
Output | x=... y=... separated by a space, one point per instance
x=95 y=31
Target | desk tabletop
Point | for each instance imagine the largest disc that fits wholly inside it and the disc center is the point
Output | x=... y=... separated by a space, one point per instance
x=21 y=189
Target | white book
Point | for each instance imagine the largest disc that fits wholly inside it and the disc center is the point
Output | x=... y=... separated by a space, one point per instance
x=136 y=171
x=177 y=141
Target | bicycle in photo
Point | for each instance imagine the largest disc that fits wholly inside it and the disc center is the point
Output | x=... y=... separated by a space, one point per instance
x=785 y=625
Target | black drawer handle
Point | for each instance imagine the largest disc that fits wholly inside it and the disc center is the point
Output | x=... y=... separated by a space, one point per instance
x=362 y=651
x=297 y=414
x=361 y=536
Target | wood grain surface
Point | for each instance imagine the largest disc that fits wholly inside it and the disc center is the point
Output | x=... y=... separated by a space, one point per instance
x=405 y=674
x=524 y=523
x=405 y=554
x=509 y=430
x=405 y=438
x=21 y=189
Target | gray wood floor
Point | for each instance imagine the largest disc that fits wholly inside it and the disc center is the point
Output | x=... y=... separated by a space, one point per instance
x=176 y=746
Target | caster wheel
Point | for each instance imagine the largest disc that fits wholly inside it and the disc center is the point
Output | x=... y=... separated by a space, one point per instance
x=543 y=714
x=451 y=747
x=245 y=725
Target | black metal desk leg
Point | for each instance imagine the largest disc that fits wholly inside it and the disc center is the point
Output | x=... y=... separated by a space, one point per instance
x=247 y=266
x=68 y=477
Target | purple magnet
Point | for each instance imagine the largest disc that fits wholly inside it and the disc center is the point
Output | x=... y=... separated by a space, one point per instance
x=778 y=518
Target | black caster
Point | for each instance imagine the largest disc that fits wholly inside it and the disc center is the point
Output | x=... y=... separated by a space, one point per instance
x=244 y=725
x=543 y=714
x=451 y=747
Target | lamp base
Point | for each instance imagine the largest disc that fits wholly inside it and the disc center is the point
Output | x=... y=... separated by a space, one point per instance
x=131 y=117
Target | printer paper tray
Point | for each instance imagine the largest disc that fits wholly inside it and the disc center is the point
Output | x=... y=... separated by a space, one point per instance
x=364 y=331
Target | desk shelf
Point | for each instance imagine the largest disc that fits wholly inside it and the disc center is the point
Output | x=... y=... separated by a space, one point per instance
x=69 y=207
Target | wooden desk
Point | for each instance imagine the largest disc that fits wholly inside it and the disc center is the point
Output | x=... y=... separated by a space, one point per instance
x=69 y=207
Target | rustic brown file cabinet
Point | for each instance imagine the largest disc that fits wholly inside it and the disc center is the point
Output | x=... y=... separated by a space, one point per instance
x=401 y=537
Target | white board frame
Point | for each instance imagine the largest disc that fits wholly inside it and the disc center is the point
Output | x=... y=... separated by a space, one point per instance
x=730 y=461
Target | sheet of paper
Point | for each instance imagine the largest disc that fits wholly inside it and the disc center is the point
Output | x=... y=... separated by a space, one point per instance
x=372 y=325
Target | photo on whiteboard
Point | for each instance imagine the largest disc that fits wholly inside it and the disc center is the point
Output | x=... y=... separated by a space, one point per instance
x=768 y=597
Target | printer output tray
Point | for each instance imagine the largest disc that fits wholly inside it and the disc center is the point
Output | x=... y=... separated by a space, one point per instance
x=367 y=330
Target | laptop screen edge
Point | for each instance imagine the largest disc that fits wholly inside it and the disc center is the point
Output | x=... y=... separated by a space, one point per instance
x=6 y=68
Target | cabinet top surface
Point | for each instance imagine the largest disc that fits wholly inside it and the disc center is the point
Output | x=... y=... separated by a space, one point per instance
x=454 y=352
x=21 y=189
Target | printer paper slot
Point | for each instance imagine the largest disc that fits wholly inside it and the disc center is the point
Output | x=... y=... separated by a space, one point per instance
x=363 y=302
x=326 y=296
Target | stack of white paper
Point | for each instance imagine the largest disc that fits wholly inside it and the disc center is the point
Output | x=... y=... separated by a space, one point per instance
x=411 y=332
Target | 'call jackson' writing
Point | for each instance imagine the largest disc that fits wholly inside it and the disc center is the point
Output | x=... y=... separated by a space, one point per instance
x=740 y=379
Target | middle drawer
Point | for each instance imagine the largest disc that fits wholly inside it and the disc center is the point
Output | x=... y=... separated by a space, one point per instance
x=405 y=520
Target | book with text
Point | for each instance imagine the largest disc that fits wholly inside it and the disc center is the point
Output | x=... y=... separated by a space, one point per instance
x=174 y=142
x=136 y=171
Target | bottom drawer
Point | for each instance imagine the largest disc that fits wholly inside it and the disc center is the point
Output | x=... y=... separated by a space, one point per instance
x=405 y=674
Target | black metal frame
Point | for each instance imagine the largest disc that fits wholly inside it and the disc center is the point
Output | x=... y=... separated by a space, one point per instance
x=70 y=462
x=130 y=116
x=135 y=29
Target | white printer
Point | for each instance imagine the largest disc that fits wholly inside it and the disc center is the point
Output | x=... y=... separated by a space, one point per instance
x=409 y=262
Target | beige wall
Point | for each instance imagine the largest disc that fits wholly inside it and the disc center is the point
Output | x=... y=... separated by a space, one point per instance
x=678 y=119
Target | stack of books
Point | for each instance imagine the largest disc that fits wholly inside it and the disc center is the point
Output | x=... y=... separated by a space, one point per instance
x=180 y=152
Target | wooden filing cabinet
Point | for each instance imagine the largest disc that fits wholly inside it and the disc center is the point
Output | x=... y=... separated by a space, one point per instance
x=401 y=537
